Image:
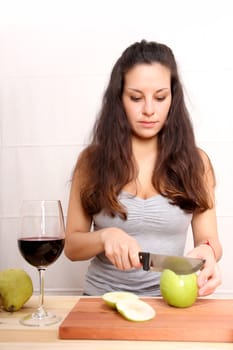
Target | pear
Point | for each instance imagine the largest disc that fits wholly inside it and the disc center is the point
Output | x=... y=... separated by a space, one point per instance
x=15 y=288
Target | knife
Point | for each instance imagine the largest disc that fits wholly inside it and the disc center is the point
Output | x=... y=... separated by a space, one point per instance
x=179 y=264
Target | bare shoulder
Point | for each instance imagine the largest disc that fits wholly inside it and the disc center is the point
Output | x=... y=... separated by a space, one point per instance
x=205 y=158
x=82 y=161
x=208 y=167
x=203 y=154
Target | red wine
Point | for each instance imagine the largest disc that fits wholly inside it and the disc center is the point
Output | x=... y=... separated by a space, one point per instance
x=41 y=252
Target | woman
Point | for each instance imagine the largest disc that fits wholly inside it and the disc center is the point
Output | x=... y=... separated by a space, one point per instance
x=142 y=180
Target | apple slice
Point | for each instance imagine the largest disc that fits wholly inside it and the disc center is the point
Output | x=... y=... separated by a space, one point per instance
x=111 y=298
x=135 y=310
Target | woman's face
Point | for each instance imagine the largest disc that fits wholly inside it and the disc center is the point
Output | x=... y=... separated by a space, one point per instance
x=147 y=98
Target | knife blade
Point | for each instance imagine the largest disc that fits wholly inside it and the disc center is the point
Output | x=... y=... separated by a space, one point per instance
x=179 y=264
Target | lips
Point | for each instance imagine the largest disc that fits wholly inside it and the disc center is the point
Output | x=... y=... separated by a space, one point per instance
x=148 y=124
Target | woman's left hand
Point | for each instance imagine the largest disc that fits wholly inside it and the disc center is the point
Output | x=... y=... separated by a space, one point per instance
x=209 y=278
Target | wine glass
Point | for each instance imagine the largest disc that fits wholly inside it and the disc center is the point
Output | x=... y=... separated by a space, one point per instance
x=41 y=240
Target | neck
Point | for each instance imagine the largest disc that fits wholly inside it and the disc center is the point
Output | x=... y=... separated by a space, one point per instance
x=144 y=147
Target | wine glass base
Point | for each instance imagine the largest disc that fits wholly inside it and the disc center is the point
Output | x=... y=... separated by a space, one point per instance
x=33 y=320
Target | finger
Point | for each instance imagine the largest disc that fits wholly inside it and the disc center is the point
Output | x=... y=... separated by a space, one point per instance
x=126 y=263
x=134 y=259
x=113 y=257
x=119 y=259
x=203 y=277
x=209 y=287
x=122 y=256
x=208 y=271
x=208 y=282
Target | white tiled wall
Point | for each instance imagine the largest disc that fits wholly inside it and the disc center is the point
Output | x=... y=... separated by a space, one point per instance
x=55 y=61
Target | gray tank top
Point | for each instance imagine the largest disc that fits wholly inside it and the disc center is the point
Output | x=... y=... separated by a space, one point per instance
x=157 y=225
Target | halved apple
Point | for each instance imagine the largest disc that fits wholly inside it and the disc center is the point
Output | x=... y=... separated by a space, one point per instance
x=178 y=290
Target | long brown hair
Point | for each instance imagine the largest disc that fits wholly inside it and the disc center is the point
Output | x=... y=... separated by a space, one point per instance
x=106 y=165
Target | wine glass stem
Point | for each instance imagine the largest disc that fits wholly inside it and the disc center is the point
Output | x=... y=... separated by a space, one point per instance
x=41 y=311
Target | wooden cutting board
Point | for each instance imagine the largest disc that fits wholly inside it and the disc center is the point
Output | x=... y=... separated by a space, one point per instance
x=207 y=320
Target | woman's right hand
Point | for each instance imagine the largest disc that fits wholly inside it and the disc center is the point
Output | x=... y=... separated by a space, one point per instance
x=120 y=248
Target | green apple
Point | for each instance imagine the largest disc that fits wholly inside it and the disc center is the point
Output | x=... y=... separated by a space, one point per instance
x=178 y=290
x=111 y=298
x=135 y=310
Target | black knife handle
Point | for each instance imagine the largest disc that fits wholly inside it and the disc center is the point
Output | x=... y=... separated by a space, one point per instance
x=144 y=258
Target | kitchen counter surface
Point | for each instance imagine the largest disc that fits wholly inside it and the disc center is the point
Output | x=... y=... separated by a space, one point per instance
x=13 y=335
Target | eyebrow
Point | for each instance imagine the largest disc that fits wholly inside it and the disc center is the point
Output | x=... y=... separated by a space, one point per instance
x=137 y=90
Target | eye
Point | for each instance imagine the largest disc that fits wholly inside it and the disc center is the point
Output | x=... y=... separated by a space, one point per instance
x=135 y=99
x=160 y=99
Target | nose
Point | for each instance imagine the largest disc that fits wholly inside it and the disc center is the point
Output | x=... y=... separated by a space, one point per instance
x=148 y=108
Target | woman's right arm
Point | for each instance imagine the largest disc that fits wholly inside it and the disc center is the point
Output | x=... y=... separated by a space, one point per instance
x=82 y=244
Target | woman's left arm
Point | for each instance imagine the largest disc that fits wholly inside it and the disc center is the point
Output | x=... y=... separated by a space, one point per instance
x=208 y=247
x=206 y=240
